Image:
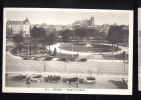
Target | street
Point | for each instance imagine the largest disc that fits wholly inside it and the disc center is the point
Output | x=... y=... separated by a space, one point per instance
x=14 y=65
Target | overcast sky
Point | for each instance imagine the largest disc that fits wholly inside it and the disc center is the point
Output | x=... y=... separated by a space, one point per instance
x=68 y=17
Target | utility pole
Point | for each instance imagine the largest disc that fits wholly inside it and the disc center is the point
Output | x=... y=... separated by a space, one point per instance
x=124 y=62
x=28 y=49
x=44 y=66
x=66 y=58
x=113 y=52
x=72 y=50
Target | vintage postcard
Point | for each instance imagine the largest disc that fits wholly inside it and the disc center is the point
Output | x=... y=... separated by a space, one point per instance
x=67 y=51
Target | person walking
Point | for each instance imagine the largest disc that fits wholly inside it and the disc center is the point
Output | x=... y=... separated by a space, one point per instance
x=28 y=82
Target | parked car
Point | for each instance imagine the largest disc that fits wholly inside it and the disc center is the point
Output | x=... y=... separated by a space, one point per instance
x=37 y=58
x=26 y=58
x=72 y=80
x=42 y=58
x=83 y=60
x=54 y=78
x=63 y=59
x=49 y=58
x=75 y=59
x=125 y=81
x=91 y=80
x=33 y=58
x=22 y=76
x=36 y=78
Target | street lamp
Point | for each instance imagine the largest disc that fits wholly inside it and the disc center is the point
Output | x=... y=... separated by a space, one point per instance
x=44 y=66
x=124 y=61
x=113 y=52
x=72 y=50
x=66 y=58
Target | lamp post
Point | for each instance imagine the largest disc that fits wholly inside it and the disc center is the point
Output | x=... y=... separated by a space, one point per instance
x=113 y=52
x=66 y=58
x=124 y=61
x=72 y=50
x=44 y=66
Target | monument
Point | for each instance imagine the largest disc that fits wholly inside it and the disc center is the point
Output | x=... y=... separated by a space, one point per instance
x=88 y=44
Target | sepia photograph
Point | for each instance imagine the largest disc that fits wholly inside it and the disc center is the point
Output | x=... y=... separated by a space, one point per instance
x=68 y=51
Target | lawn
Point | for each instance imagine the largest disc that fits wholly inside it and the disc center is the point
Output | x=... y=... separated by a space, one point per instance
x=83 y=48
x=116 y=57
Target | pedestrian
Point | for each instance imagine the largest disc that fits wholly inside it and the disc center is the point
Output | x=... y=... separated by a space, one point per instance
x=28 y=82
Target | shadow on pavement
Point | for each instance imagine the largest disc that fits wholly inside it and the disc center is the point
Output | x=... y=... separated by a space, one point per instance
x=119 y=84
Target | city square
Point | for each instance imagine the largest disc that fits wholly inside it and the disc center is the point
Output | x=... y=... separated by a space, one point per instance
x=76 y=51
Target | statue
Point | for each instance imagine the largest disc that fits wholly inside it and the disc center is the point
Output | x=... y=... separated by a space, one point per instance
x=88 y=44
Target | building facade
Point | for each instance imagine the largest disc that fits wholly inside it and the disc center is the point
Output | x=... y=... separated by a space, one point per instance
x=18 y=27
x=84 y=23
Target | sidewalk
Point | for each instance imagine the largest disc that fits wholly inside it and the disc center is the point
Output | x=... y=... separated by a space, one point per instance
x=8 y=53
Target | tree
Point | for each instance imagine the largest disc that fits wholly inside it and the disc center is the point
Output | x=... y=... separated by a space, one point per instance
x=42 y=37
x=115 y=35
x=81 y=32
x=54 y=54
x=72 y=34
x=65 y=35
x=102 y=35
x=50 y=39
x=37 y=33
x=92 y=33
x=126 y=36
x=18 y=39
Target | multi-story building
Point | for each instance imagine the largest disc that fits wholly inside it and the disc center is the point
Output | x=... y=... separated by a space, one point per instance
x=84 y=23
x=103 y=28
x=18 y=27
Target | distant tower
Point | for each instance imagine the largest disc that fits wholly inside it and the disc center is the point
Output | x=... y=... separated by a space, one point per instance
x=26 y=32
x=92 y=21
x=26 y=21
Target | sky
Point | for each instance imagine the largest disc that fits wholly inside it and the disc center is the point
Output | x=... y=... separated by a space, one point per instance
x=68 y=17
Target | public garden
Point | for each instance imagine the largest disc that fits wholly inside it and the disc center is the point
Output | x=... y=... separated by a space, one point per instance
x=73 y=44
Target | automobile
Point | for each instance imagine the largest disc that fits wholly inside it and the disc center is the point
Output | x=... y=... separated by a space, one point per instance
x=22 y=77
x=33 y=58
x=72 y=80
x=83 y=60
x=42 y=58
x=54 y=78
x=91 y=80
x=36 y=78
x=63 y=59
x=38 y=58
x=26 y=58
x=75 y=59
x=49 y=58
x=125 y=81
